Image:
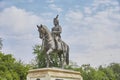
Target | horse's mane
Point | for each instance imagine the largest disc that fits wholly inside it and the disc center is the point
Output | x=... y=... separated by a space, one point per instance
x=47 y=29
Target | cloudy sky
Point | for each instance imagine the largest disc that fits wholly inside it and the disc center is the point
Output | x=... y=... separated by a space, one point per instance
x=90 y=27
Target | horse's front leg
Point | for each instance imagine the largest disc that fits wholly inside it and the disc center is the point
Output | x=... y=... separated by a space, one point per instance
x=48 y=57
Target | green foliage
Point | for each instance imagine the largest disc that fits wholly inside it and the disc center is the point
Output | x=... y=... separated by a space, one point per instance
x=108 y=72
x=111 y=72
x=54 y=60
x=10 y=69
x=116 y=70
x=40 y=57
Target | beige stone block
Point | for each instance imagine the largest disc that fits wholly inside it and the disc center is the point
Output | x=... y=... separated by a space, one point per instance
x=53 y=74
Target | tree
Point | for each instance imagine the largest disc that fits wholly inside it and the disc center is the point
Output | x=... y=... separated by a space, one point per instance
x=10 y=69
x=101 y=73
x=87 y=72
x=40 y=57
x=109 y=75
x=21 y=69
x=115 y=67
x=6 y=67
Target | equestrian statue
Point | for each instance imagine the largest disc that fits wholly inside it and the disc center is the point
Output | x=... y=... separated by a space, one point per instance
x=53 y=44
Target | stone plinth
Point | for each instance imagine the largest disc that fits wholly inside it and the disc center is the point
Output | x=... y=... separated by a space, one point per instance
x=53 y=74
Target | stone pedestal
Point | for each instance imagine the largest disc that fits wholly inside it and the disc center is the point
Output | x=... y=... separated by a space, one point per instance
x=53 y=74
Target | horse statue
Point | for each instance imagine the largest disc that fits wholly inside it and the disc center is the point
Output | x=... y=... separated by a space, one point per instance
x=48 y=43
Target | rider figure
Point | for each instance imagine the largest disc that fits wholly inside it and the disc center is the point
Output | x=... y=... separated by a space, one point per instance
x=56 y=31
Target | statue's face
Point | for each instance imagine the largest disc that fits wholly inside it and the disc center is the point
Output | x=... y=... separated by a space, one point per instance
x=40 y=29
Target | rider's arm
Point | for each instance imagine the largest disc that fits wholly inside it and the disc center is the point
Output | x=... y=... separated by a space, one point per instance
x=57 y=31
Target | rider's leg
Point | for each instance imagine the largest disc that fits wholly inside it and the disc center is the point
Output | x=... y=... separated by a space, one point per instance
x=58 y=43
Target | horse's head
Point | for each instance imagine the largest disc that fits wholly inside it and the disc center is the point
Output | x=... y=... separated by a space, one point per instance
x=41 y=30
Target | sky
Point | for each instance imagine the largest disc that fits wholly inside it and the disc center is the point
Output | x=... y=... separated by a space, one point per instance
x=91 y=28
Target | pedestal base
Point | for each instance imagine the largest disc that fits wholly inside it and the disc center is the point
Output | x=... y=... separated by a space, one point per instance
x=53 y=74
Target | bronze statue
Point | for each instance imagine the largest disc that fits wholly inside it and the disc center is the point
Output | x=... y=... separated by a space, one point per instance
x=51 y=42
x=56 y=31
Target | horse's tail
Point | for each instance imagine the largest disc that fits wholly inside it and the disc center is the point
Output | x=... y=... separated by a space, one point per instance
x=67 y=55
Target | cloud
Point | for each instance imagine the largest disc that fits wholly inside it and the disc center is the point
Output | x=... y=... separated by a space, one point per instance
x=55 y=8
x=94 y=34
x=104 y=4
x=75 y=16
x=96 y=58
x=50 y=1
x=18 y=20
x=87 y=10
x=18 y=29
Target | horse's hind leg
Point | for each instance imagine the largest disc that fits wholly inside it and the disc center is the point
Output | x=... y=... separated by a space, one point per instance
x=48 y=57
x=60 y=60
